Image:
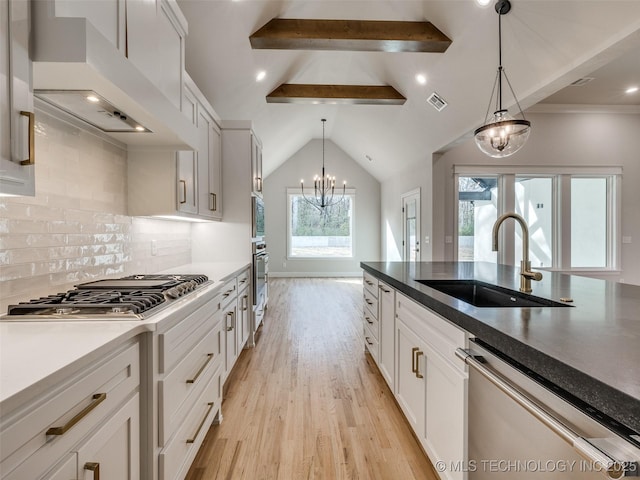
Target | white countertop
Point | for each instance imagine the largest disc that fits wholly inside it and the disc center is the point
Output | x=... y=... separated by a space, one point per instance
x=34 y=354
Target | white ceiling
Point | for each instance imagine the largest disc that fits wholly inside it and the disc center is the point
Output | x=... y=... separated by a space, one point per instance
x=546 y=46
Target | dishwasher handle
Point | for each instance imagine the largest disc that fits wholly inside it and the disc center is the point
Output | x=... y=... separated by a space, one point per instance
x=610 y=467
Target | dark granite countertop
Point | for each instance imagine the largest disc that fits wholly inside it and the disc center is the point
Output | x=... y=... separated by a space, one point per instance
x=592 y=349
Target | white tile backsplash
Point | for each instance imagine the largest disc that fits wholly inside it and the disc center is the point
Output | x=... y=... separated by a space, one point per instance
x=76 y=228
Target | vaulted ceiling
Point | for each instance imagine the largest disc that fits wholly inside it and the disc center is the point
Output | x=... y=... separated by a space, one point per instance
x=546 y=46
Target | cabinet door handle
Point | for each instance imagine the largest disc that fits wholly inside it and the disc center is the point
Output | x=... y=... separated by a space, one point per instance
x=32 y=134
x=369 y=321
x=259 y=184
x=368 y=340
x=193 y=439
x=419 y=353
x=96 y=400
x=93 y=467
x=245 y=301
x=184 y=191
x=413 y=359
x=212 y=202
x=199 y=372
x=233 y=321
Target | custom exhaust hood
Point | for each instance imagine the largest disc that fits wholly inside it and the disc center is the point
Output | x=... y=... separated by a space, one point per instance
x=79 y=71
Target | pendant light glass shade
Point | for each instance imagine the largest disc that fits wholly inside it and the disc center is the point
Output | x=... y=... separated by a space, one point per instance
x=502 y=134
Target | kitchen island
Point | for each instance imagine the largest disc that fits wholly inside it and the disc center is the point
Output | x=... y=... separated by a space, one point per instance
x=590 y=349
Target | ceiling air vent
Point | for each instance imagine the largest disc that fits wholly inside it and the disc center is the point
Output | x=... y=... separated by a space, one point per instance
x=437 y=101
x=581 y=81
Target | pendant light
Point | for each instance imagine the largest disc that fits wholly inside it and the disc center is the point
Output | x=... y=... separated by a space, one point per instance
x=323 y=186
x=502 y=135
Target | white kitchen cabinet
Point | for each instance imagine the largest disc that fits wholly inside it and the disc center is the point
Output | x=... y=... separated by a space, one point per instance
x=186 y=386
x=209 y=166
x=387 y=329
x=113 y=451
x=410 y=376
x=17 y=123
x=371 y=327
x=91 y=416
x=244 y=308
x=184 y=184
x=256 y=165
x=431 y=383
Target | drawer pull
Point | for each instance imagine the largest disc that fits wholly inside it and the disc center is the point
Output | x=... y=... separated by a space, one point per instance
x=93 y=467
x=209 y=358
x=418 y=355
x=384 y=289
x=191 y=440
x=184 y=191
x=368 y=282
x=97 y=399
x=32 y=133
x=368 y=340
x=369 y=302
x=244 y=280
x=369 y=321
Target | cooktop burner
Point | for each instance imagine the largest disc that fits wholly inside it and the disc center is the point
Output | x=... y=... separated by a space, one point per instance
x=133 y=296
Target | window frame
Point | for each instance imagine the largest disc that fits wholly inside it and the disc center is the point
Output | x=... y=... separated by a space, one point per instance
x=561 y=181
x=349 y=192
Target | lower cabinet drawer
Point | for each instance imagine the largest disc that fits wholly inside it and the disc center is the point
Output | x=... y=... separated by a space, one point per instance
x=371 y=342
x=176 y=458
x=40 y=435
x=371 y=323
x=186 y=378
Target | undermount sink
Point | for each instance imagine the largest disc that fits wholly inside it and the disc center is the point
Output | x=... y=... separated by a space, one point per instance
x=482 y=294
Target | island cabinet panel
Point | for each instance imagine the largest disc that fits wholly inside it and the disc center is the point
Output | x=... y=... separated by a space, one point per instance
x=435 y=401
x=411 y=381
x=387 y=328
x=90 y=417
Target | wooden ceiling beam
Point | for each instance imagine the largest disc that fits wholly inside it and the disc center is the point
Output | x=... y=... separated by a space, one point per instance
x=336 y=94
x=352 y=35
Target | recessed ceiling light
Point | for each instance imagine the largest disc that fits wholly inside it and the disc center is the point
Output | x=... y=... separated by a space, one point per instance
x=421 y=79
x=93 y=98
x=140 y=128
x=483 y=3
x=631 y=90
x=261 y=75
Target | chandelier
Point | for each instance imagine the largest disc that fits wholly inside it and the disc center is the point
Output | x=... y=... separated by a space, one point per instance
x=324 y=186
x=502 y=135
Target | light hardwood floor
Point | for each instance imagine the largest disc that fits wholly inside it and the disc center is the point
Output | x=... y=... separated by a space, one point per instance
x=306 y=402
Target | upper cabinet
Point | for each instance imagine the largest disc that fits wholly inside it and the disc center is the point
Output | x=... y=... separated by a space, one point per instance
x=256 y=165
x=129 y=53
x=17 y=157
x=185 y=184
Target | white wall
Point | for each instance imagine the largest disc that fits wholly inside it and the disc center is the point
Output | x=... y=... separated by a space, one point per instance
x=392 y=189
x=303 y=165
x=76 y=227
x=585 y=139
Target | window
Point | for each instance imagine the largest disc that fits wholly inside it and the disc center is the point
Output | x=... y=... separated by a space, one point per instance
x=320 y=234
x=572 y=214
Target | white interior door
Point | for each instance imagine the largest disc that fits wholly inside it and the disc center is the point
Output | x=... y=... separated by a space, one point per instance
x=411 y=226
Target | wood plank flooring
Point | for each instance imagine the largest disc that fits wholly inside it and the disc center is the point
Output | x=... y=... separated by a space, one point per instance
x=306 y=402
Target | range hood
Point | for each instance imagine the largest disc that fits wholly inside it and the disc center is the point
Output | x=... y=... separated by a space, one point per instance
x=72 y=60
x=90 y=107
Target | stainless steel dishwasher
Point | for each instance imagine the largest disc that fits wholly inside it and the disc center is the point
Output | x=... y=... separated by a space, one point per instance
x=520 y=429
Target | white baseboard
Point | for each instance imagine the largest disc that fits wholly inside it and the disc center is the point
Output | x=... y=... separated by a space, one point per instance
x=313 y=274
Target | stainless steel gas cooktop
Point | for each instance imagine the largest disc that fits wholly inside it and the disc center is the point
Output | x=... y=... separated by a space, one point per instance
x=128 y=298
